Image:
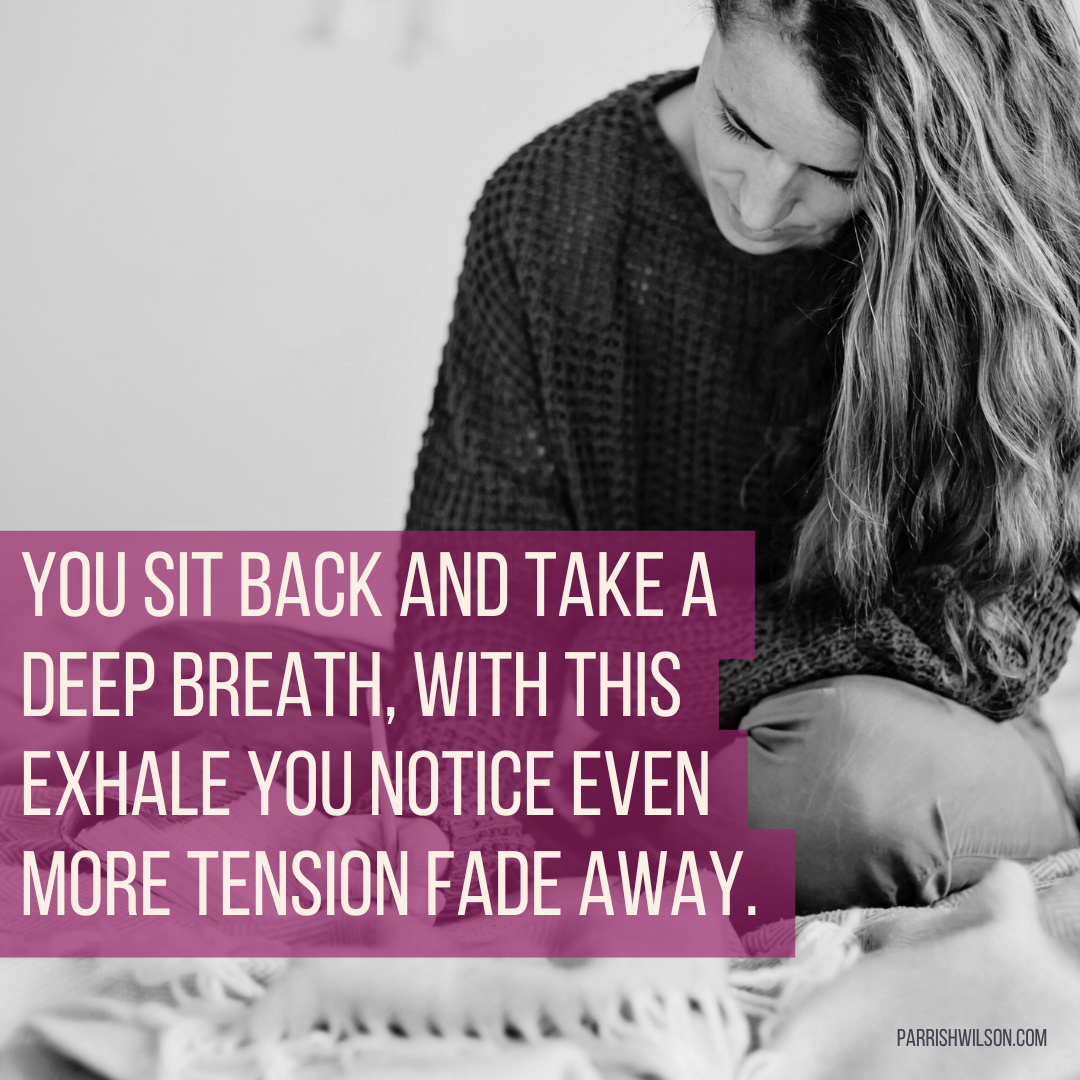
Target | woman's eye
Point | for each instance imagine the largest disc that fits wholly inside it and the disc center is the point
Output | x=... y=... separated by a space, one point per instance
x=845 y=183
x=730 y=128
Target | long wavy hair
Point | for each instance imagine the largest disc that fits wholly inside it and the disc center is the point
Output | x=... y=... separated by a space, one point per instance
x=953 y=441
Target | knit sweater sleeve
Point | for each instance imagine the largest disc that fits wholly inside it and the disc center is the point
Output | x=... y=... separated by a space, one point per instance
x=486 y=463
x=904 y=640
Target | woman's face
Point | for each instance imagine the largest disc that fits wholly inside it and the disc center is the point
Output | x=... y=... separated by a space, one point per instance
x=776 y=164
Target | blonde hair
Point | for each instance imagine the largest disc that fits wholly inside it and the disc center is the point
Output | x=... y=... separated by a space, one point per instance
x=954 y=438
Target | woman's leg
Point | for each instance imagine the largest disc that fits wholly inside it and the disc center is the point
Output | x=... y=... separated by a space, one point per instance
x=898 y=796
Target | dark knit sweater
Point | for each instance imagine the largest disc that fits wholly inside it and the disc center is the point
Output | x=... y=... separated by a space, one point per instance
x=610 y=366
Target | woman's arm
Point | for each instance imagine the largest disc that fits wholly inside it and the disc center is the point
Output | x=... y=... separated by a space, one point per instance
x=795 y=645
x=904 y=641
x=487 y=460
x=487 y=463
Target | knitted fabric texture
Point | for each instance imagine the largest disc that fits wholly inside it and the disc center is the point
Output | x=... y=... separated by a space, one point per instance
x=612 y=365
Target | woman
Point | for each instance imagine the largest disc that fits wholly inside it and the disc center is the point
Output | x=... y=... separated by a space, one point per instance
x=826 y=290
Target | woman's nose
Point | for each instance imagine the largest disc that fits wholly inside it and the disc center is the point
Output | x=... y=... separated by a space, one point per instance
x=767 y=195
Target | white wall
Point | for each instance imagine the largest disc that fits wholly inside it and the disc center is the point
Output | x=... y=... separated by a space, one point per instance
x=228 y=244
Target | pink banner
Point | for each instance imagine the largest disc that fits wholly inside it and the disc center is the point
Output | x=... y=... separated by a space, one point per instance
x=408 y=744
